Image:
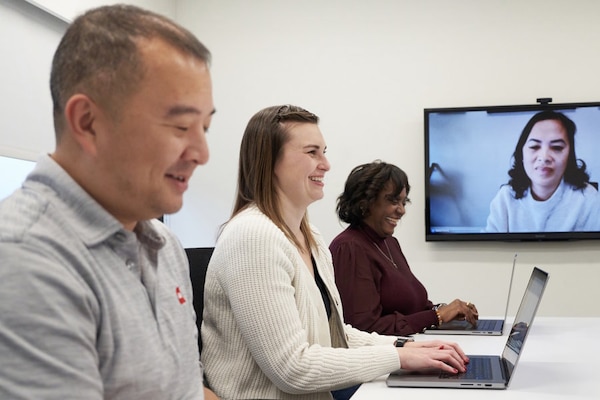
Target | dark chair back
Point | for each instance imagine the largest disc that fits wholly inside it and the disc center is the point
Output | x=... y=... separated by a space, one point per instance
x=198 y=258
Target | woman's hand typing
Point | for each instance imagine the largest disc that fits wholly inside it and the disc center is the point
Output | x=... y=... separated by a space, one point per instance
x=446 y=356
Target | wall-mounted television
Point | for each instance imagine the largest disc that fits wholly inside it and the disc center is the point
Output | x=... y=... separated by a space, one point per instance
x=511 y=173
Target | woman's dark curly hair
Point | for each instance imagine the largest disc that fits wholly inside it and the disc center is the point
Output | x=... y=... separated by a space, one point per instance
x=362 y=187
x=575 y=173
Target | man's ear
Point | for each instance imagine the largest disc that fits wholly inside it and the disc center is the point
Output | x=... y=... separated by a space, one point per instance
x=81 y=114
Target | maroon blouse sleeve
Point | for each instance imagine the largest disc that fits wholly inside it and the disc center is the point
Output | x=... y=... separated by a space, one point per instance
x=358 y=280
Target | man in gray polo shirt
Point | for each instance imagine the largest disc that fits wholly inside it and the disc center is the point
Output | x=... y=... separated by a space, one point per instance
x=95 y=296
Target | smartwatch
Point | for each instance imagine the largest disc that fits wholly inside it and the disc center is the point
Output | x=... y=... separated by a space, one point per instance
x=401 y=341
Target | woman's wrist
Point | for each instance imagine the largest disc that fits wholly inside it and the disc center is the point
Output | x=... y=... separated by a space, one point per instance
x=436 y=309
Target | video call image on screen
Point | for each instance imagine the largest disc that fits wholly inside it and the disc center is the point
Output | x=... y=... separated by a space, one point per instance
x=469 y=152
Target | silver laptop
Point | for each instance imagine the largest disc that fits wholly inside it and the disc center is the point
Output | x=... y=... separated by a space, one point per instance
x=493 y=327
x=485 y=372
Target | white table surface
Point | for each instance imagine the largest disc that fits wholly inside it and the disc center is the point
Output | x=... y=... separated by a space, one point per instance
x=560 y=360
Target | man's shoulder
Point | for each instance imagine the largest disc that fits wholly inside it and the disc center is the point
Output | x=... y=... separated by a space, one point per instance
x=19 y=213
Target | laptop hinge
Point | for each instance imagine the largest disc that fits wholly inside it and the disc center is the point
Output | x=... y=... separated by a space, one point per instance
x=507 y=369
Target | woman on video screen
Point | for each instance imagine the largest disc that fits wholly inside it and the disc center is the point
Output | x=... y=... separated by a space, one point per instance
x=549 y=188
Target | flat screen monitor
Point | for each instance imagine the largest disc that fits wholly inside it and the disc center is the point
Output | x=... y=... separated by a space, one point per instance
x=512 y=173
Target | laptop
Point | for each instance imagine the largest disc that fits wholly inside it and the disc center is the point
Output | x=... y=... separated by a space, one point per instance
x=493 y=327
x=485 y=372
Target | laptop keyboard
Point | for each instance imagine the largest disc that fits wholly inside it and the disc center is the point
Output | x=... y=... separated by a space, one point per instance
x=486 y=325
x=478 y=368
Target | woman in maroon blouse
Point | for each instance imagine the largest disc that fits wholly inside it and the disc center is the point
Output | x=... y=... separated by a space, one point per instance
x=379 y=291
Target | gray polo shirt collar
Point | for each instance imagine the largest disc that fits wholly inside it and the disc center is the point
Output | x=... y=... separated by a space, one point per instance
x=93 y=223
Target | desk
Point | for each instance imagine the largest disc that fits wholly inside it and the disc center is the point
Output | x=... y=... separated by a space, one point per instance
x=559 y=361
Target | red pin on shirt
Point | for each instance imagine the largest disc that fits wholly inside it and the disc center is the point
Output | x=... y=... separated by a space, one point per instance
x=180 y=296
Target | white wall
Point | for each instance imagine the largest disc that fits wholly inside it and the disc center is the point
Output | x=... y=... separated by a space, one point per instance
x=67 y=10
x=368 y=69
x=29 y=34
x=28 y=38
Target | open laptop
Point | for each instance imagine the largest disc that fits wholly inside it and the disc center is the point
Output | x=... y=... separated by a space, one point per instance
x=485 y=372
x=493 y=327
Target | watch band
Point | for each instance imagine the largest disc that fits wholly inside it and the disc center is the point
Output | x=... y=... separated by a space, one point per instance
x=401 y=341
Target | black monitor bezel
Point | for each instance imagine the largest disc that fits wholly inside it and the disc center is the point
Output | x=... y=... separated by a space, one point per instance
x=485 y=236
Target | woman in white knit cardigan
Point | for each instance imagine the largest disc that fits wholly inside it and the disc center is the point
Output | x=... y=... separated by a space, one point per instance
x=272 y=325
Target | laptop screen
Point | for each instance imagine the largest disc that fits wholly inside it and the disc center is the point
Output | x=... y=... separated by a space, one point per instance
x=524 y=318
